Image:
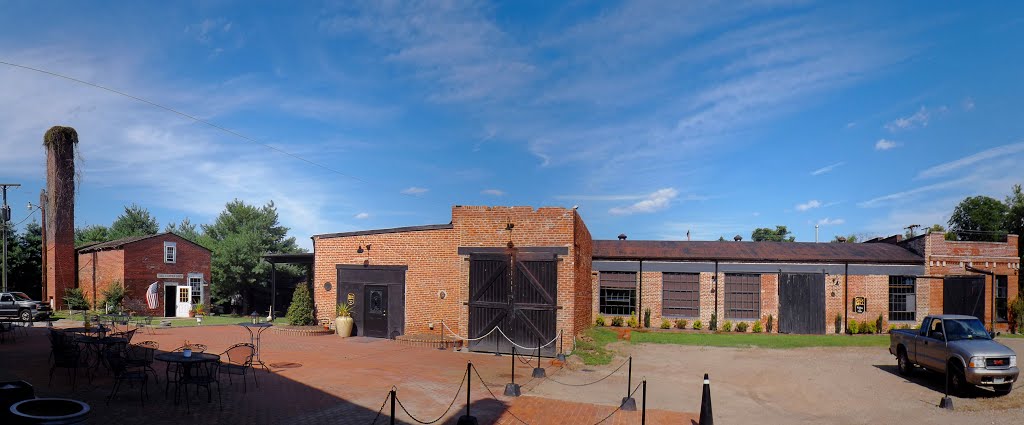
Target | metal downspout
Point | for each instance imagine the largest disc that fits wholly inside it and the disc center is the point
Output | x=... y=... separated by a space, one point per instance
x=846 y=294
x=715 y=281
x=640 y=295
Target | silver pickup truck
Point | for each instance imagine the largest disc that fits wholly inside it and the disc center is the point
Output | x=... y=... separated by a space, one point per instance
x=960 y=344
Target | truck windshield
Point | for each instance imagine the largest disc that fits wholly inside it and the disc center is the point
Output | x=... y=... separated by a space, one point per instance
x=20 y=296
x=958 y=329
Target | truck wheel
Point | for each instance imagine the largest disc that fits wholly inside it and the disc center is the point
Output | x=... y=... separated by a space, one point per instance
x=1002 y=389
x=25 y=315
x=903 y=363
x=957 y=381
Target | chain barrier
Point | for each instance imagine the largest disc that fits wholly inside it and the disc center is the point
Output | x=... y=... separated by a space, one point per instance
x=496 y=328
x=589 y=383
x=467 y=339
x=484 y=383
x=399 y=400
x=527 y=362
x=386 y=398
x=620 y=405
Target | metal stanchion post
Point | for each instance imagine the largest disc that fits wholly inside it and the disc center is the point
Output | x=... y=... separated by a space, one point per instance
x=392 y=407
x=946 y=402
x=628 y=402
x=440 y=346
x=643 y=405
x=512 y=389
x=468 y=419
x=561 y=347
x=538 y=372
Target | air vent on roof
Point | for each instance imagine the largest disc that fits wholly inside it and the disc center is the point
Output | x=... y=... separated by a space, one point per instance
x=622 y=236
x=737 y=238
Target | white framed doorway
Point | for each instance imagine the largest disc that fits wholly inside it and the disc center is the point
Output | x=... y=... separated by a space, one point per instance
x=184 y=301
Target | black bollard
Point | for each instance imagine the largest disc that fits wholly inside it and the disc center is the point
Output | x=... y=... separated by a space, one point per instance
x=643 y=405
x=538 y=372
x=706 y=418
x=946 y=402
x=468 y=419
x=561 y=348
x=440 y=346
x=392 y=407
x=628 y=402
x=497 y=349
x=512 y=389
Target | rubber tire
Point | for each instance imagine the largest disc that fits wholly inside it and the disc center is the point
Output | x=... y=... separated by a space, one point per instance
x=958 y=385
x=903 y=365
x=25 y=315
x=1002 y=389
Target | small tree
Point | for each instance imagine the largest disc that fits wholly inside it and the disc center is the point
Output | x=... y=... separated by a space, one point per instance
x=300 y=313
x=1016 y=313
x=113 y=296
x=75 y=300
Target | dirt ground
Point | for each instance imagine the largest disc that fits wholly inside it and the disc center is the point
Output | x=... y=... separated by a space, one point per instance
x=796 y=386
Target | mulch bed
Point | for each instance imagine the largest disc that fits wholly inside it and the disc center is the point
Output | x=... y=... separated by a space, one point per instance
x=303 y=330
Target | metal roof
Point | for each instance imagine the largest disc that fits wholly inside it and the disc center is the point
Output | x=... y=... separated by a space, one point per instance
x=119 y=243
x=296 y=258
x=794 y=252
x=391 y=230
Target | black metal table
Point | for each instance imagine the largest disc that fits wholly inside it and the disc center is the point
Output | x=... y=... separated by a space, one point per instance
x=186 y=364
x=254 y=337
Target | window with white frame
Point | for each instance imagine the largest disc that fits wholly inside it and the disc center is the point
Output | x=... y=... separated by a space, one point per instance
x=170 y=252
x=196 y=282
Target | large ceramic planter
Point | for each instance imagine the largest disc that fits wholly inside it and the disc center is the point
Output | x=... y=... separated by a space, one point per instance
x=344 y=326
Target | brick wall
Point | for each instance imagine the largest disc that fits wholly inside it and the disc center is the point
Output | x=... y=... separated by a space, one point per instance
x=145 y=259
x=583 y=291
x=108 y=267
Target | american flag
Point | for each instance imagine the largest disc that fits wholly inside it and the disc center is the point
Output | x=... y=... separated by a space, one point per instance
x=152 y=295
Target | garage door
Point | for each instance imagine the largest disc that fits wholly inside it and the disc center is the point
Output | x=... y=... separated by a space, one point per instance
x=517 y=293
x=964 y=295
x=802 y=303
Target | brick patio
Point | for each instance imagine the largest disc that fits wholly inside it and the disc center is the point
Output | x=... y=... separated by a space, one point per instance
x=319 y=379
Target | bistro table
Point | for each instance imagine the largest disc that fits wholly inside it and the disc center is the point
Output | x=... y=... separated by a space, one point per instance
x=100 y=330
x=97 y=345
x=254 y=337
x=186 y=364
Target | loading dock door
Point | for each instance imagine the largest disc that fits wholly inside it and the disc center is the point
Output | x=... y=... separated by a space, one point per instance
x=516 y=292
x=802 y=303
x=964 y=295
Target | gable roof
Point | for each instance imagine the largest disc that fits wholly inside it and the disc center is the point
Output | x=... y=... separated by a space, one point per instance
x=797 y=252
x=120 y=243
x=390 y=230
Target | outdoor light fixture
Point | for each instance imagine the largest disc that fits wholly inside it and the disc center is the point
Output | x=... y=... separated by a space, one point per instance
x=327 y=286
x=255 y=317
x=360 y=250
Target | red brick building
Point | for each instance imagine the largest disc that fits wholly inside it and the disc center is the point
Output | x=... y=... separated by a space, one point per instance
x=180 y=267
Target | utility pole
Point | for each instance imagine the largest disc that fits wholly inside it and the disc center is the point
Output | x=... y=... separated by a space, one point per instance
x=816 y=233
x=5 y=219
x=911 y=228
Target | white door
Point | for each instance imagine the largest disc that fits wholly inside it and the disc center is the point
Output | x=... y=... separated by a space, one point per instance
x=184 y=301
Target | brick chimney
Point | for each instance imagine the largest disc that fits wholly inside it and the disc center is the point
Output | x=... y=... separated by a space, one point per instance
x=59 y=212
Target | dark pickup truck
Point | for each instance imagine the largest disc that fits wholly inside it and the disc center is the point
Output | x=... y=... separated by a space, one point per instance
x=959 y=345
x=19 y=305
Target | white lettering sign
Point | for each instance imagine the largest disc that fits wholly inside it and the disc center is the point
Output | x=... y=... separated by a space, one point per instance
x=169 y=275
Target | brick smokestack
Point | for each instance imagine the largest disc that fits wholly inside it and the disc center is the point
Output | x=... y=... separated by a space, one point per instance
x=59 y=221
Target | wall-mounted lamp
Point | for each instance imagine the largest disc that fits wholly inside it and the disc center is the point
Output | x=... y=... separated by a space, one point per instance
x=360 y=249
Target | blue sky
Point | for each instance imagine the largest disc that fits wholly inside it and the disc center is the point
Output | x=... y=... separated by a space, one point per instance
x=654 y=117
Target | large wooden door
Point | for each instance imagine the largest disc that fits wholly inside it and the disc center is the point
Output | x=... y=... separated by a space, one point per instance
x=516 y=292
x=964 y=295
x=802 y=303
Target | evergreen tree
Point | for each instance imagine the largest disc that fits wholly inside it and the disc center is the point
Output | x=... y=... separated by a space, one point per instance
x=300 y=313
x=136 y=221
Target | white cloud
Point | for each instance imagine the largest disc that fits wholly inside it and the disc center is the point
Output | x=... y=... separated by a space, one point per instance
x=968 y=104
x=985 y=155
x=362 y=216
x=812 y=204
x=906 y=194
x=830 y=221
x=493 y=192
x=657 y=201
x=885 y=144
x=918 y=119
x=851 y=124
x=826 y=169
x=413 y=190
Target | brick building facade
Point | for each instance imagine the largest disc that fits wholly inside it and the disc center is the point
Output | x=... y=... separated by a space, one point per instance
x=180 y=267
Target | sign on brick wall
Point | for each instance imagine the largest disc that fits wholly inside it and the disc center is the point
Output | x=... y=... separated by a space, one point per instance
x=169 y=276
x=860 y=304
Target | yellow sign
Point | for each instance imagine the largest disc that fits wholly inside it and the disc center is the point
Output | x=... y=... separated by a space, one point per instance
x=860 y=304
x=351 y=299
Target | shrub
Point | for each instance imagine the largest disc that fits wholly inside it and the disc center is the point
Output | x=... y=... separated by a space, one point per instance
x=75 y=300
x=697 y=325
x=757 y=327
x=135 y=306
x=839 y=323
x=726 y=326
x=600 y=320
x=1015 y=311
x=199 y=309
x=878 y=324
x=867 y=327
x=665 y=324
x=769 y=323
x=647 y=317
x=681 y=323
x=113 y=295
x=851 y=327
x=617 y=321
x=741 y=327
x=633 y=322
x=714 y=322
x=300 y=313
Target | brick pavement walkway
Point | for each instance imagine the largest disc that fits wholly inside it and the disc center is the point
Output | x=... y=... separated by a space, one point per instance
x=317 y=380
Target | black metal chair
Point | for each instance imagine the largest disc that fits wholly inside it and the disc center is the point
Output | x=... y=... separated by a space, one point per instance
x=7 y=328
x=204 y=375
x=238 y=360
x=67 y=355
x=142 y=355
x=172 y=374
x=122 y=372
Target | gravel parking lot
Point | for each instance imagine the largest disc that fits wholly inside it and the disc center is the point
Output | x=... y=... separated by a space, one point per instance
x=807 y=385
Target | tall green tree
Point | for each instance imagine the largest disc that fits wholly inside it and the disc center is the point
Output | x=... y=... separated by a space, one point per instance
x=852 y=238
x=979 y=218
x=779 y=234
x=25 y=261
x=92 y=234
x=239 y=237
x=135 y=221
x=1015 y=216
x=185 y=229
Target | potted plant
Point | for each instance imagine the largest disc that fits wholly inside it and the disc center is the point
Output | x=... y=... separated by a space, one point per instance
x=343 y=323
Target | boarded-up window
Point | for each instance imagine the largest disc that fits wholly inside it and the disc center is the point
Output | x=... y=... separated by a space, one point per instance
x=680 y=294
x=742 y=296
x=617 y=293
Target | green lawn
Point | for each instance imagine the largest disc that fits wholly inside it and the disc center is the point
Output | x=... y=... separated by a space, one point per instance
x=592 y=348
x=207 y=321
x=760 y=340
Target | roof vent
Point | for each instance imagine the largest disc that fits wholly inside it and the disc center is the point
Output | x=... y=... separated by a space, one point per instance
x=737 y=238
x=622 y=236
